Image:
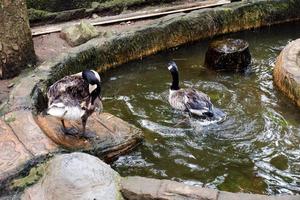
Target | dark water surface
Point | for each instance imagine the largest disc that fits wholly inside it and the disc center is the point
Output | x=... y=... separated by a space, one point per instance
x=256 y=149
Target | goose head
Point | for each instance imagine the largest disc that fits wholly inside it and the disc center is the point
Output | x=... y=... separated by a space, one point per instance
x=94 y=81
x=172 y=67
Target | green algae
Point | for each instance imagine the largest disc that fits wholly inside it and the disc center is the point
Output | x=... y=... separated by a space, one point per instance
x=34 y=175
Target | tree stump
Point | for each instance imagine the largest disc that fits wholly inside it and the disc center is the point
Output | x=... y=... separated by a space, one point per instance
x=228 y=55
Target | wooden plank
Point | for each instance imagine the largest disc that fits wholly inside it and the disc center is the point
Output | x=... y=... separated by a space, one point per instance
x=112 y=20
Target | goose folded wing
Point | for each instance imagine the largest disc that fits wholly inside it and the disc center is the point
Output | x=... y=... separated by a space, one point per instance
x=196 y=100
x=69 y=87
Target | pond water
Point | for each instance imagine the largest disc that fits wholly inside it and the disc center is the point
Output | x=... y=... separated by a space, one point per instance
x=255 y=149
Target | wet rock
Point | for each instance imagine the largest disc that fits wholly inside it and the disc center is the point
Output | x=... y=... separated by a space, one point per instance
x=29 y=133
x=140 y=188
x=108 y=136
x=75 y=176
x=20 y=95
x=286 y=72
x=228 y=55
x=79 y=34
x=13 y=154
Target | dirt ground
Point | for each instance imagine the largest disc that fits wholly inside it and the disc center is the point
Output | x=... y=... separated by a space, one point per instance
x=51 y=45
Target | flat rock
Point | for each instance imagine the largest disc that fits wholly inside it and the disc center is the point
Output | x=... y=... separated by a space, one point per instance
x=75 y=176
x=29 y=133
x=109 y=136
x=287 y=71
x=244 y=196
x=13 y=154
x=140 y=188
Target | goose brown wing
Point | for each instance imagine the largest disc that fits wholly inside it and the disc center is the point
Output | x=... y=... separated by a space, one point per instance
x=70 y=88
x=197 y=100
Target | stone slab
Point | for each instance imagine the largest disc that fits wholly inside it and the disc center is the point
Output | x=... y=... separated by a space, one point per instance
x=13 y=154
x=140 y=188
x=30 y=134
x=244 y=196
x=109 y=135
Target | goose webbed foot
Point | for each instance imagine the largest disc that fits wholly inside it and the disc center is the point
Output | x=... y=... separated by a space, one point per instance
x=87 y=134
x=68 y=131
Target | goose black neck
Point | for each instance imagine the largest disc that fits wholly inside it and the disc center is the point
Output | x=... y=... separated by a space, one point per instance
x=175 y=82
x=96 y=93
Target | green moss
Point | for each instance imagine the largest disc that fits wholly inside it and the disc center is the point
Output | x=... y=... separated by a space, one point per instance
x=61 y=5
x=40 y=15
x=34 y=175
x=10 y=119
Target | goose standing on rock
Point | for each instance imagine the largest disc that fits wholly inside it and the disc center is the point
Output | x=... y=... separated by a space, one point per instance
x=75 y=97
x=195 y=102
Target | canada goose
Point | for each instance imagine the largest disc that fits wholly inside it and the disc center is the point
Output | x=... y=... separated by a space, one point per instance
x=75 y=97
x=195 y=102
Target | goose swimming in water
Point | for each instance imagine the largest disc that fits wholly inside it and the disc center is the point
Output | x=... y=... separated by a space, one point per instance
x=75 y=97
x=195 y=102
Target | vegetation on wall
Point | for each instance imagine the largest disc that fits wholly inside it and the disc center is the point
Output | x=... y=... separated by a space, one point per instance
x=61 y=5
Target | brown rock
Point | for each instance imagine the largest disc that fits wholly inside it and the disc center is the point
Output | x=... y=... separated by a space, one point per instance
x=140 y=188
x=30 y=134
x=109 y=136
x=287 y=71
x=13 y=154
x=76 y=176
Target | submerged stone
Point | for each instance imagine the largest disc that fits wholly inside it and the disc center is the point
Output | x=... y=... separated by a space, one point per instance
x=228 y=55
x=280 y=162
x=75 y=176
x=79 y=34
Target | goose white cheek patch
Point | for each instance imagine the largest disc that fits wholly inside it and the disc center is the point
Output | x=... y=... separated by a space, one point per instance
x=170 y=67
x=92 y=88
